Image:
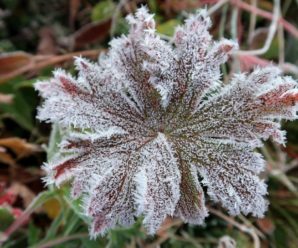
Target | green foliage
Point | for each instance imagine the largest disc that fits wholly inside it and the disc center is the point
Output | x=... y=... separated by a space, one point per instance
x=121 y=27
x=6 y=46
x=168 y=27
x=122 y=237
x=6 y=218
x=34 y=234
x=291 y=51
x=153 y=5
x=23 y=107
x=272 y=53
x=103 y=10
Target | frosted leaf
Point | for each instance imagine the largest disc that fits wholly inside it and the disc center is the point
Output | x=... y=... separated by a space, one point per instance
x=191 y=205
x=163 y=179
x=150 y=119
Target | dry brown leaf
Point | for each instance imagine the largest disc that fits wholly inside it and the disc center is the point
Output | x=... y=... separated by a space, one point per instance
x=266 y=225
x=39 y=62
x=92 y=32
x=19 y=146
x=283 y=194
x=15 y=61
x=291 y=151
x=23 y=191
x=47 y=43
x=178 y=5
x=6 y=158
x=167 y=224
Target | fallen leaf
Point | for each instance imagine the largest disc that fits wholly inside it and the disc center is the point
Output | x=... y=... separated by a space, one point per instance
x=266 y=225
x=178 y=5
x=90 y=33
x=47 y=43
x=291 y=151
x=13 y=63
x=22 y=191
x=19 y=146
x=167 y=224
x=282 y=194
x=38 y=62
x=5 y=157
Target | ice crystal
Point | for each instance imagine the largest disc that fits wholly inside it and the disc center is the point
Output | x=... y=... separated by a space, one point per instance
x=152 y=122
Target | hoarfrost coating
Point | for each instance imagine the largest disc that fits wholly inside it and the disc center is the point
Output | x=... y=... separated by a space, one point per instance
x=150 y=117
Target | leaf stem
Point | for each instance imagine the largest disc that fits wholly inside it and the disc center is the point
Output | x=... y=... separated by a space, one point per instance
x=61 y=240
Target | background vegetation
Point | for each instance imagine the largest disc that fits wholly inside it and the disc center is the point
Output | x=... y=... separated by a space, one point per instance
x=38 y=35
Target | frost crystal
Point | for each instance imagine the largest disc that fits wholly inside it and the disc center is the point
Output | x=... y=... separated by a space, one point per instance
x=152 y=120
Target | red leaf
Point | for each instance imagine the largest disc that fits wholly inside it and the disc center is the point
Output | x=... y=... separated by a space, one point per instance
x=90 y=33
